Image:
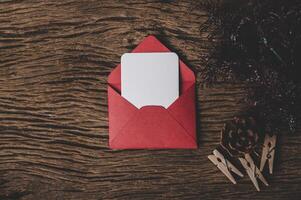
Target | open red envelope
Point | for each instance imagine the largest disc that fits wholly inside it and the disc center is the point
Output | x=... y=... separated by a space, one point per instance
x=152 y=127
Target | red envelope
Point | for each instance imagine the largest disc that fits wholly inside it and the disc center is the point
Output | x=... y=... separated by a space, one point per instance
x=152 y=127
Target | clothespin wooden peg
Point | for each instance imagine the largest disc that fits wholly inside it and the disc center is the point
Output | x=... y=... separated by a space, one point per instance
x=253 y=172
x=224 y=165
x=268 y=152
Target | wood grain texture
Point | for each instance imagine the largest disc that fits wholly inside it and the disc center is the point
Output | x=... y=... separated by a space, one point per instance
x=55 y=57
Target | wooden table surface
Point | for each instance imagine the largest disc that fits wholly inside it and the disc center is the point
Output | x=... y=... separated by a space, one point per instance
x=55 y=57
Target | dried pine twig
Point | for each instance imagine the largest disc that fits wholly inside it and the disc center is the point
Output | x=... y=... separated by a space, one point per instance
x=259 y=43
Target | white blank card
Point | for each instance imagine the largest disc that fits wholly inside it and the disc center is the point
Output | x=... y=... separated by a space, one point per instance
x=150 y=78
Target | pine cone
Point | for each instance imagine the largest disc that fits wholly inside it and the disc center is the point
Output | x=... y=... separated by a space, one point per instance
x=240 y=136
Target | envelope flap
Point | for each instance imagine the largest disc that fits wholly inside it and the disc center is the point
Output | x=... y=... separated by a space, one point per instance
x=152 y=44
x=183 y=107
x=150 y=128
x=120 y=112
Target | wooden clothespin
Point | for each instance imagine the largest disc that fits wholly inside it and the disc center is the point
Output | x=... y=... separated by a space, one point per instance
x=253 y=172
x=268 y=152
x=224 y=165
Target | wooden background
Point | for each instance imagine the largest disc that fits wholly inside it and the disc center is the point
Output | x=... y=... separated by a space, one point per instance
x=55 y=57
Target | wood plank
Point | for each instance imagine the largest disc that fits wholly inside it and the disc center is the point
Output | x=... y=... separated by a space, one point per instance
x=54 y=61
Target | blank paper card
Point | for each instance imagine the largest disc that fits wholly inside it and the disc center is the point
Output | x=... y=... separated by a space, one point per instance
x=149 y=79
